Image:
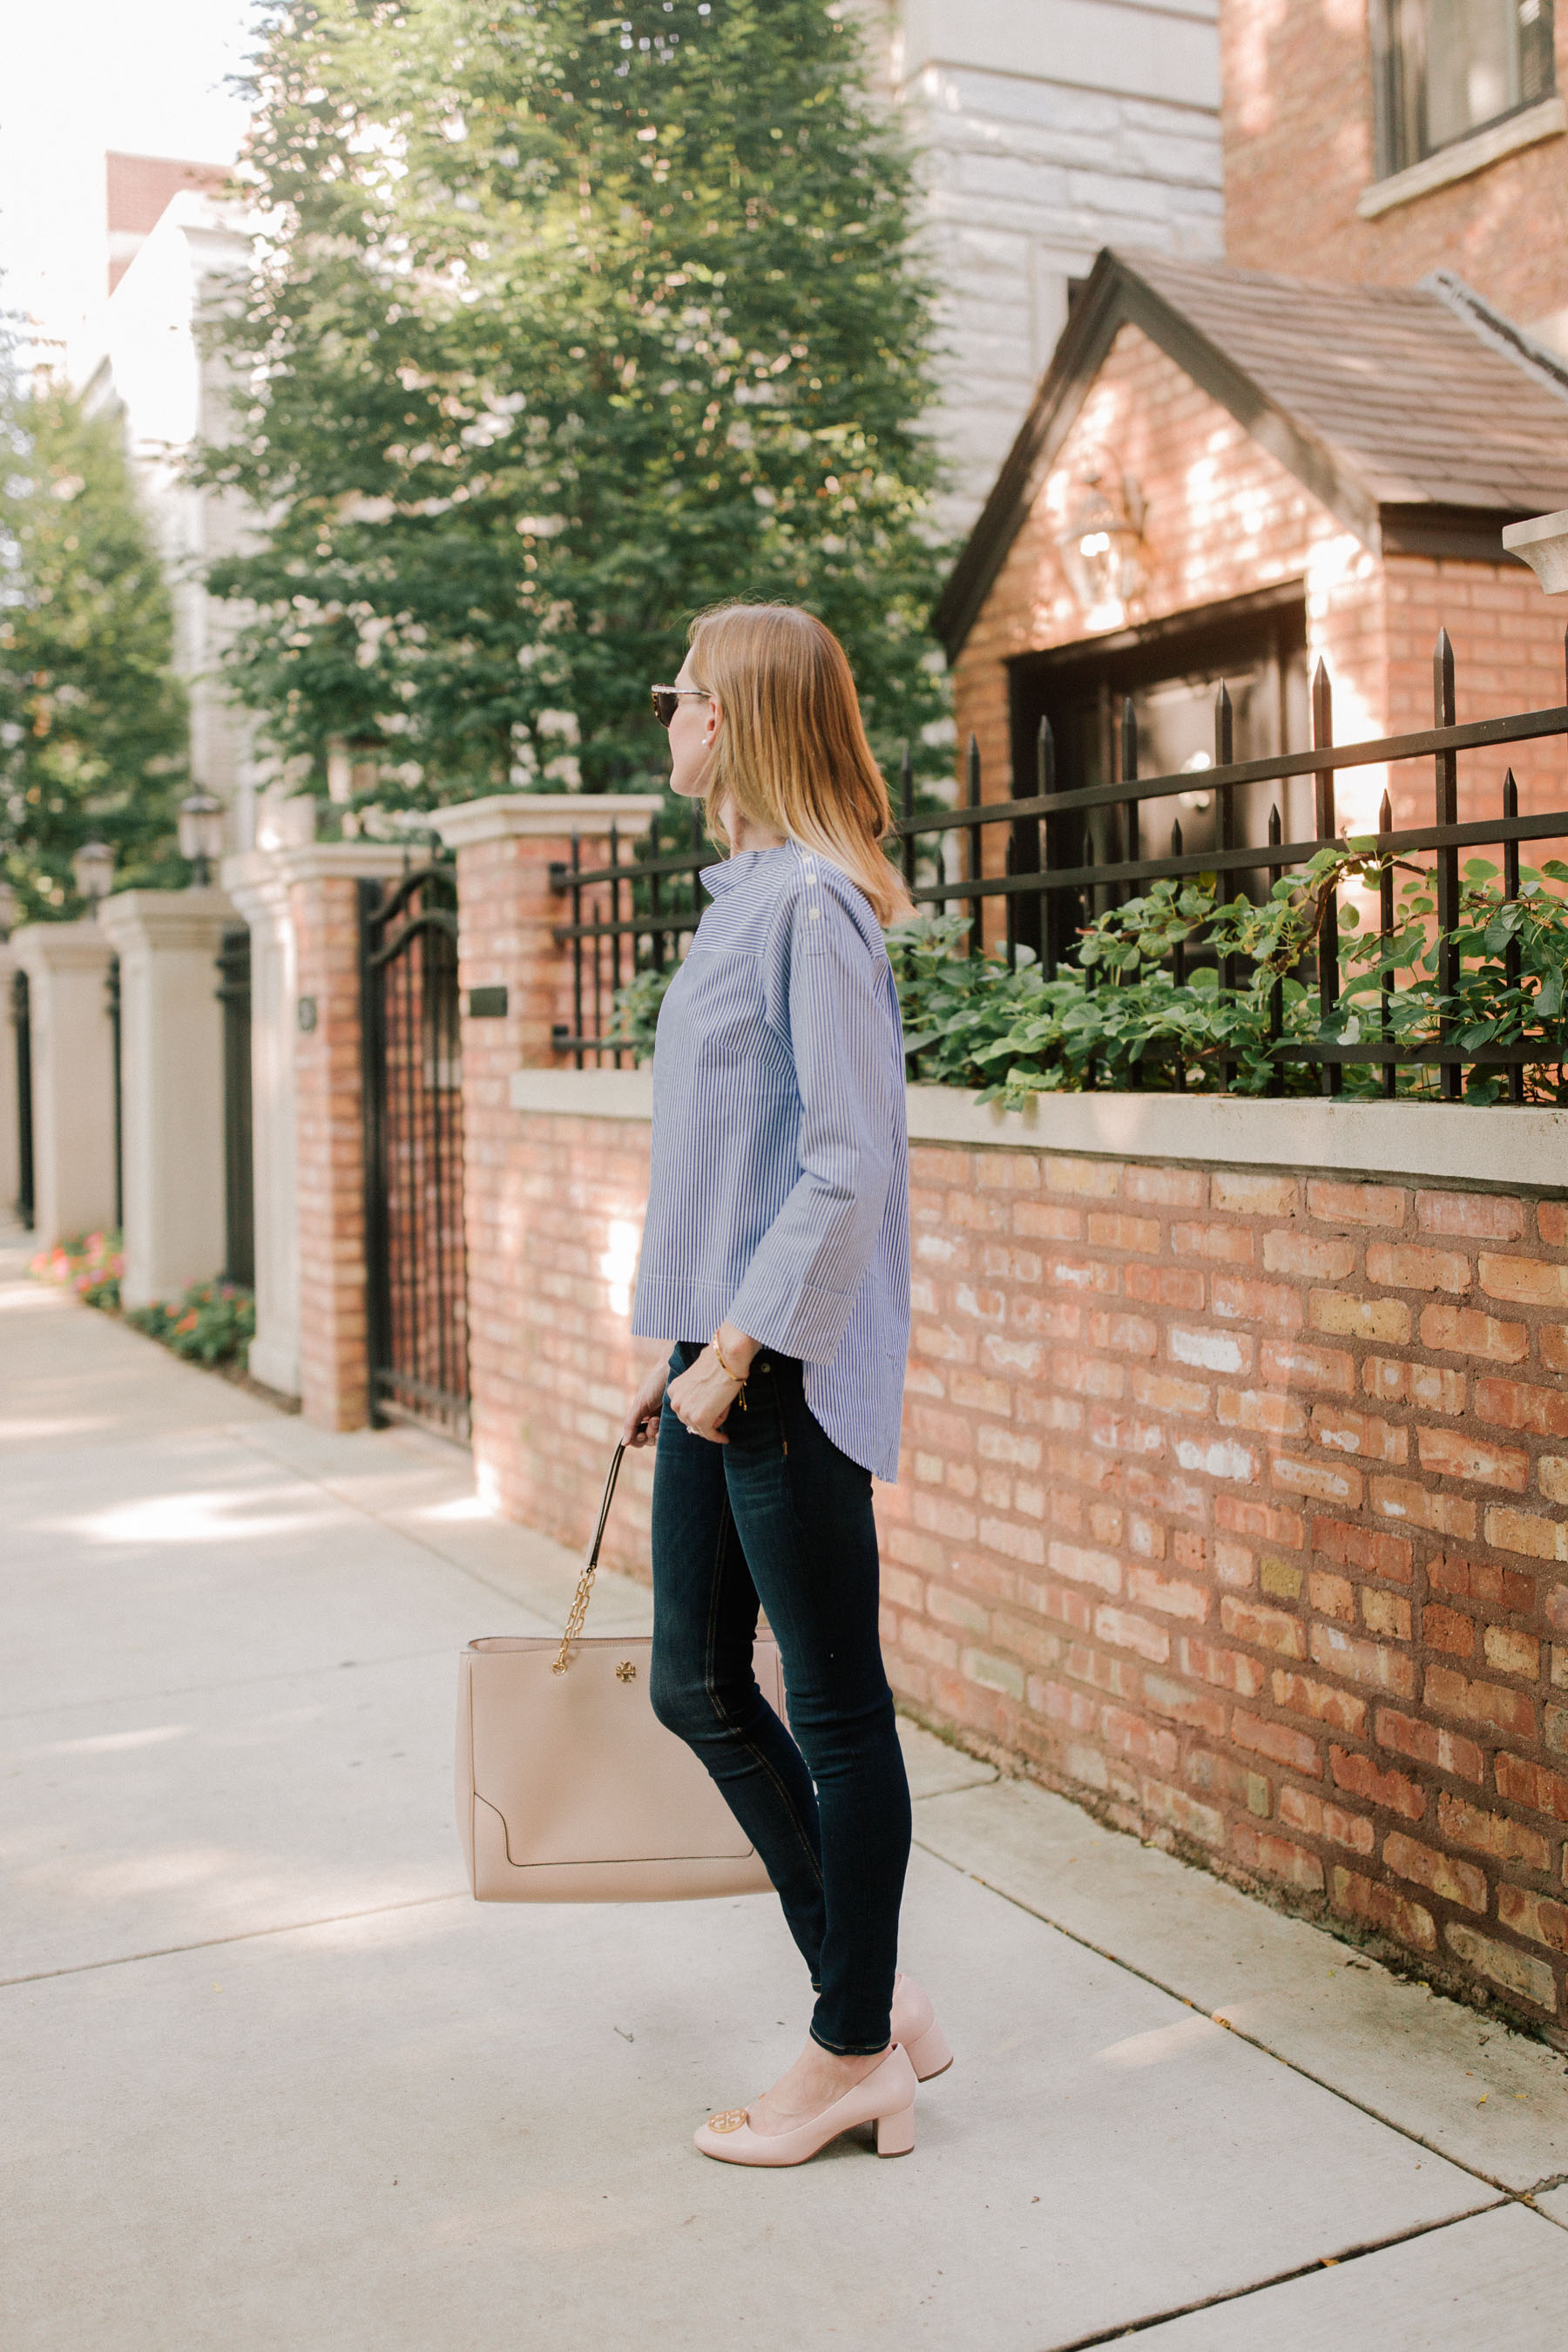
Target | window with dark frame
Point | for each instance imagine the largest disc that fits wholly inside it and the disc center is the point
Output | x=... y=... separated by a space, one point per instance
x=1447 y=68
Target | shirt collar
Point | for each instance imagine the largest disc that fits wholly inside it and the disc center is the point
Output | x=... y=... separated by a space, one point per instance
x=717 y=879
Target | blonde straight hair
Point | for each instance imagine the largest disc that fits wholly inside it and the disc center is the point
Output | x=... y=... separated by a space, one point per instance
x=791 y=752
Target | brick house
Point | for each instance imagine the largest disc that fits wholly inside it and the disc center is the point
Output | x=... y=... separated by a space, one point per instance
x=1262 y=471
x=1229 y=471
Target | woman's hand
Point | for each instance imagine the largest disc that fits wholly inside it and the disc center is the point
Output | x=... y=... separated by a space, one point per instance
x=641 y=1426
x=703 y=1393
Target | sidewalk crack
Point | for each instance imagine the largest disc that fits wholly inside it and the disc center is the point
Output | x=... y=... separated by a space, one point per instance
x=240 y=1935
x=1280 y=2278
x=1254 y=2042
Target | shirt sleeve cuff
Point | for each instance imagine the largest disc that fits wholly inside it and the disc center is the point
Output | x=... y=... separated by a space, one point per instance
x=803 y=1320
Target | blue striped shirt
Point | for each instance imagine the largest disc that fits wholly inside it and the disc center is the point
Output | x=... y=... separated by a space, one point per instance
x=779 y=1194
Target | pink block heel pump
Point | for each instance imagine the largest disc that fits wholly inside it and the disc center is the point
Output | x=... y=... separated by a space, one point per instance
x=886 y=2099
x=915 y=2029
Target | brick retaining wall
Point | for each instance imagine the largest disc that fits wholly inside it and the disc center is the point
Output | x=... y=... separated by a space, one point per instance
x=1232 y=1505
x=1234 y=1498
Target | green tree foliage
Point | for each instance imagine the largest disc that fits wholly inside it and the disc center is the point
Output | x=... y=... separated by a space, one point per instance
x=570 y=324
x=92 y=720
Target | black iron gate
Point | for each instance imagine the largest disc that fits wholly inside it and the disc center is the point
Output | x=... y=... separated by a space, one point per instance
x=416 y=1260
x=239 y=1180
x=116 y=1043
x=22 y=1022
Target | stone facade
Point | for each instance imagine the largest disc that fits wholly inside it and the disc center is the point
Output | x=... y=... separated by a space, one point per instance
x=1043 y=132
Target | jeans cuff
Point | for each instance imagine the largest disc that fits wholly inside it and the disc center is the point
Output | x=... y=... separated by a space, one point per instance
x=848 y=2049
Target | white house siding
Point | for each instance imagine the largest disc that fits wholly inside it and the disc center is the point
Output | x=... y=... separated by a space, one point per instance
x=1046 y=128
x=168 y=392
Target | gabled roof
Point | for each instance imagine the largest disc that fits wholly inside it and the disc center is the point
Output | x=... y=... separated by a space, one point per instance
x=1418 y=416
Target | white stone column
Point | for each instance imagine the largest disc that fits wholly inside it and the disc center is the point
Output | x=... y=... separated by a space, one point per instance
x=259 y=890
x=67 y=966
x=10 y=1156
x=171 y=1086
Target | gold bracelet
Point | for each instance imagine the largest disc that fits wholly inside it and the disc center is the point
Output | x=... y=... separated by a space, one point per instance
x=739 y=1381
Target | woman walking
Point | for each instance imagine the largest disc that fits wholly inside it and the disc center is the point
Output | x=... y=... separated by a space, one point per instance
x=774 y=1270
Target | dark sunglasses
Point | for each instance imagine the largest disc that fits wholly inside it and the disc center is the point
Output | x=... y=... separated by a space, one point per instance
x=667 y=700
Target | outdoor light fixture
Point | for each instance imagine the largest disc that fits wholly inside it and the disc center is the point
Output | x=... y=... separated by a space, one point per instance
x=201 y=835
x=8 y=905
x=1101 y=547
x=92 y=871
x=1542 y=543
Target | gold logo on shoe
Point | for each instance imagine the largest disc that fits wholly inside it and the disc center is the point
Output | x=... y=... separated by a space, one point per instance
x=626 y=1672
x=731 y=2120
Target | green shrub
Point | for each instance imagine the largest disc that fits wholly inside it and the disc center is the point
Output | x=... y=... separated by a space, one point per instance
x=1115 y=1016
x=92 y=1264
x=214 y=1323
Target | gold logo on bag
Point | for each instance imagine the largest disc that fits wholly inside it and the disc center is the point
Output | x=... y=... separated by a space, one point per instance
x=626 y=1672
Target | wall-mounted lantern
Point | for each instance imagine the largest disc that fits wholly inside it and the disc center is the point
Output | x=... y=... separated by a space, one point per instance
x=201 y=835
x=1101 y=544
x=92 y=871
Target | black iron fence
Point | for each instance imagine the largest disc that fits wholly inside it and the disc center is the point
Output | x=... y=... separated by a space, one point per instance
x=232 y=993
x=117 y=1084
x=22 y=1022
x=416 y=1252
x=1071 y=852
x=630 y=916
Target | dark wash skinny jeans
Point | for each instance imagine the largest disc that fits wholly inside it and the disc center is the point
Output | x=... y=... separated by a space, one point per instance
x=782 y=1517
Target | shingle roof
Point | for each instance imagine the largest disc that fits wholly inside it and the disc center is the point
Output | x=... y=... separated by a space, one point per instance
x=1409 y=410
x=1400 y=386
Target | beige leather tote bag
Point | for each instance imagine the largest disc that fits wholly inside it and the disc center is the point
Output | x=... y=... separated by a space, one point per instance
x=569 y=1788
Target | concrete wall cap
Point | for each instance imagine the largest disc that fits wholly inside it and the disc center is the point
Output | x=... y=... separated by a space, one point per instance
x=61 y=947
x=1460 y=1143
x=551 y=816
x=345 y=861
x=171 y=918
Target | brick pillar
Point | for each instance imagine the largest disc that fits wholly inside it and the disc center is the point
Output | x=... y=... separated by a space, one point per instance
x=324 y=881
x=511 y=969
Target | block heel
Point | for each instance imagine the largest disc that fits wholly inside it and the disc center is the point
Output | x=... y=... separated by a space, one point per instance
x=896 y=2134
x=916 y=2030
x=930 y=2054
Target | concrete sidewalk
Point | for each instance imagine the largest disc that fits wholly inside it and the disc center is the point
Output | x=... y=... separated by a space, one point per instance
x=273 y=2083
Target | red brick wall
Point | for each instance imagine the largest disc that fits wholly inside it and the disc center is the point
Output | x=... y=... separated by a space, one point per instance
x=1235 y=1501
x=550 y=1361
x=329 y=1157
x=554 y=1222
x=1297 y=133
x=1233 y=1505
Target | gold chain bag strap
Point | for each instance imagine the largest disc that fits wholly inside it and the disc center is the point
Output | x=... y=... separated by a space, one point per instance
x=570 y=1790
x=584 y=1592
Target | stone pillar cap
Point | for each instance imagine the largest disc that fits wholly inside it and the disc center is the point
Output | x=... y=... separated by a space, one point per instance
x=172 y=917
x=38 y=947
x=553 y=816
